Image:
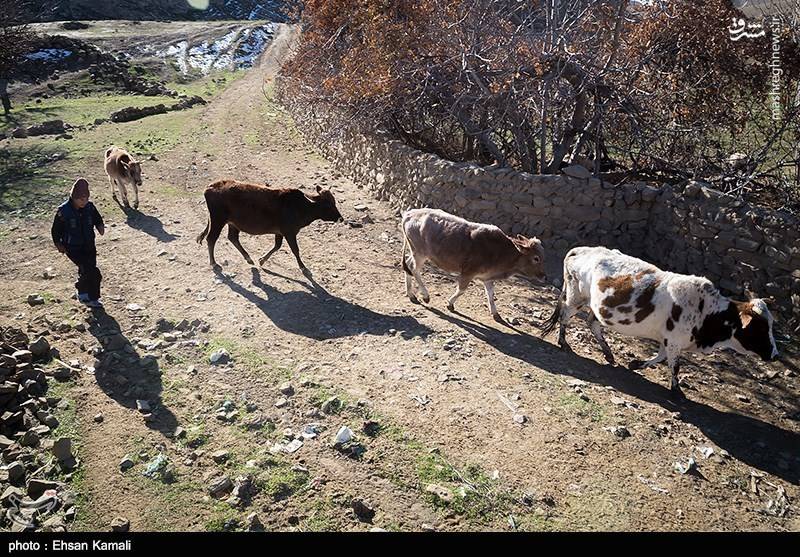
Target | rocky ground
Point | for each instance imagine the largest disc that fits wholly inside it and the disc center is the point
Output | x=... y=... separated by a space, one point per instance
x=259 y=398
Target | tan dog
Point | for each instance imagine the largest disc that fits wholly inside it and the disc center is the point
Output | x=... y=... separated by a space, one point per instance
x=121 y=169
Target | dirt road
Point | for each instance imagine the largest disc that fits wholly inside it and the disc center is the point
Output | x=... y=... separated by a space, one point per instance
x=449 y=391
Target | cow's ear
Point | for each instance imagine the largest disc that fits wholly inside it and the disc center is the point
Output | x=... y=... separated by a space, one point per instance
x=319 y=189
x=746 y=319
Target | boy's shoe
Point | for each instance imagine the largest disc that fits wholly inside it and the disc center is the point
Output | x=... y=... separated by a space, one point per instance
x=94 y=303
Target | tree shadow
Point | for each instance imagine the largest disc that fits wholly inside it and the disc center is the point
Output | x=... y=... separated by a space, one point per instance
x=125 y=376
x=147 y=224
x=749 y=439
x=318 y=314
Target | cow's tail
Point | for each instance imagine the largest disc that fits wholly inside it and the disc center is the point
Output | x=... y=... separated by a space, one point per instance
x=406 y=248
x=549 y=325
x=204 y=233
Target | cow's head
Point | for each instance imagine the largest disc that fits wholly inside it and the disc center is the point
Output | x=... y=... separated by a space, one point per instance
x=133 y=169
x=326 y=205
x=754 y=333
x=531 y=264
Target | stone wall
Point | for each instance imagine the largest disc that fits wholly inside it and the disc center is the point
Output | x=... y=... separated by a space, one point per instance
x=689 y=228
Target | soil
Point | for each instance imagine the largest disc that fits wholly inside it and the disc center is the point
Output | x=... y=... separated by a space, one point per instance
x=444 y=387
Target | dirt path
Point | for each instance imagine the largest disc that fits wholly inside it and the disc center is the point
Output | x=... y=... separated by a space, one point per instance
x=449 y=384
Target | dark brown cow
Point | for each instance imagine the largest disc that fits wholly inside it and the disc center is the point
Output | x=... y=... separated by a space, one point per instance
x=257 y=209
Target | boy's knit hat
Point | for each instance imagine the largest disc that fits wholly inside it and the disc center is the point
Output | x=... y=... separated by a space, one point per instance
x=79 y=189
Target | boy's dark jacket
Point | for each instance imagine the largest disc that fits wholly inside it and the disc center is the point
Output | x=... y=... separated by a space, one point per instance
x=74 y=228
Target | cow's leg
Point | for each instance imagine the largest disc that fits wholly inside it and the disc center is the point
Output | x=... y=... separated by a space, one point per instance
x=461 y=286
x=216 y=224
x=657 y=359
x=135 y=196
x=291 y=239
x=123 y=192
x=113 y=189
x=418 y=263
x=673 y=364
x=233 y=236
x=488 y=285
x=278 y=244
x=597 y=331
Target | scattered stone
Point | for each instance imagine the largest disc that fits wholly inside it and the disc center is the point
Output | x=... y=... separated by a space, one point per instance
x=29 y=439
x=742 y=398
x=281 y=402
x=344 y=435
x=37 y=487
x=363 y=510
x=520 y=418
x=62 y=449
x=158 y=469
x=219 y=486
x=34 y=300
x=287 y=389
x=40 y=348
x=16 y=472
x=220 y=456
x=686 y=468
x=126 y=463
x=143 y=406
x=254 y=523
x=134 y=307
x=331 y=406
x=120 y=524
x=219 y=357
x=619 y=431
x=371 y=428
x=98 y=418
x=310 y=431
x=442 y=493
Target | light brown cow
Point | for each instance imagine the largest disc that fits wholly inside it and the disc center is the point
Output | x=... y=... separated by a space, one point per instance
x=121 y=168
x=468 y=249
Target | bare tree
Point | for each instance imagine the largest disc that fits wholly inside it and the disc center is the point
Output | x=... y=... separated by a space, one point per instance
x=15 y=38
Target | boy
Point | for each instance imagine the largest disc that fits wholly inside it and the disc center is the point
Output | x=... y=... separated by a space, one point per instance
x=73 y=234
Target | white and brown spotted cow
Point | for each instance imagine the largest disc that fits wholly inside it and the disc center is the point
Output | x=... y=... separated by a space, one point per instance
x=684 y=313
x=121 y=168
x=469 y=249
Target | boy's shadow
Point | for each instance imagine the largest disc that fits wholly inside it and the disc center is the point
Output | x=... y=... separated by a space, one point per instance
x=147 y=224
x=125 y=376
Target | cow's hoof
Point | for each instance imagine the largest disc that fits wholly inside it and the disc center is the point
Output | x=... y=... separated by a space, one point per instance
x=306 y=272
x=451 y=307
x=564 y=345
x=216 y=267
x=250 y=262
x=413 y=299
x=135 y=205
x=635 y=364
x=426 y=299
x=497 y=317
x=610 y=359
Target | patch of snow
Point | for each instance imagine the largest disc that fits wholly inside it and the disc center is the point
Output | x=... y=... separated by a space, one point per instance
x=220 y=54
x=49 y=54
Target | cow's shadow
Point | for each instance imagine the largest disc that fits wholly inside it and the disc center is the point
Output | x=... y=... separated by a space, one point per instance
x=148 y=224
x=125 y=376
x=316 y=313
x=749 y=439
